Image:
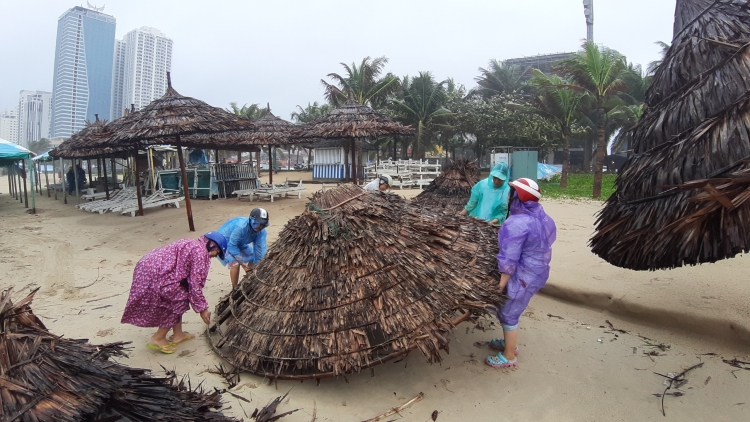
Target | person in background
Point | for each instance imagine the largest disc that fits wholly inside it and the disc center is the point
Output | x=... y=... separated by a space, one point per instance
x=70 y=177
x=489 y=197
x=525 y=241
x=81 y=177
x=382 y=183
x=166 y=282
x=247 y=245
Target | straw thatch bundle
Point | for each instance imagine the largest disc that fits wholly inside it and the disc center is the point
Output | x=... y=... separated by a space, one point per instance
x=681 y=198
x=359 y=278
x=44 y=377
x=352 y=120
x=451 y=190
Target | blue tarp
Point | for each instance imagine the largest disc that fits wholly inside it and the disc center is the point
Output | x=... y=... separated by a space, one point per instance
x=10 y=152
x=43 y=157
x=547 y=171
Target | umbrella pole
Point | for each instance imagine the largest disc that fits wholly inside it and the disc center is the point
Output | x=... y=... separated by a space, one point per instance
x=257 y=159
x=138 y=183
x=10 y=191
x=114 y=172
x=25 y=191
x=64 y=181
x=151 y=165
x=354 y=161
x=185 y=185
x=75 y=178
x=46 y=178
x=33 y=186
x=270 y=165
x=19 y=182
x=106 y=182
x=88 y=164
x=54 y=177
x=38 y=177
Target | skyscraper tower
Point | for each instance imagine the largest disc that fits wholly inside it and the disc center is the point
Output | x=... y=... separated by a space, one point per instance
x=82 y=84
x=588 y=11
x=34 y=109
x=140 y=69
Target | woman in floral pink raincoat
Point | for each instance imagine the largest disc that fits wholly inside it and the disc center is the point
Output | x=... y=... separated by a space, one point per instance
x=166 y=282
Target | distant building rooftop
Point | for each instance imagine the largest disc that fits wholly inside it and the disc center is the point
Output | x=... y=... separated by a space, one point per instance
x=543 y=62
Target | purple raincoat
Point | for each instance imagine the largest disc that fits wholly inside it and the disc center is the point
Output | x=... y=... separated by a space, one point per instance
x=525 y=242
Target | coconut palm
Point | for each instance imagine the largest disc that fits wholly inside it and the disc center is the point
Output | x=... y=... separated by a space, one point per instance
x=250 y=112
x=599 y=72
x=557 y=101
x=362 y=84
x=40 y=146
x=656 y=63
x=310 y=112
x=422 y=107
x=499 y=78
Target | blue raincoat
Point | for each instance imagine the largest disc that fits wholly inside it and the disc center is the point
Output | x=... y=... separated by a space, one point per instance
x=525 y=242
x=245 y=245
x=487 y=201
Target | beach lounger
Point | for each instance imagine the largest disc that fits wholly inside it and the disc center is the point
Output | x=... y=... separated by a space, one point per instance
x=271 y=191
x=104 y=205
x=157 y=199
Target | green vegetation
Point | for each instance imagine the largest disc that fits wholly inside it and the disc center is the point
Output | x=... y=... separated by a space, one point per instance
x=579 y=187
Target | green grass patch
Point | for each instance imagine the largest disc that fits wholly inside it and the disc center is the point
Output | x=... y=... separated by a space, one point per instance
x=580 y=186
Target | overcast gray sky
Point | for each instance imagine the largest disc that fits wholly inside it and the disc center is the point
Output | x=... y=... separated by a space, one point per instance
x=278 y=50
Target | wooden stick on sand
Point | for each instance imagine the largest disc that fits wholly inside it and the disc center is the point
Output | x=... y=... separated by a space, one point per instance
x=395 y=410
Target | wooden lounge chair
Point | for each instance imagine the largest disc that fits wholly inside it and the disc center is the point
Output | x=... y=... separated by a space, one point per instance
x=157 y=199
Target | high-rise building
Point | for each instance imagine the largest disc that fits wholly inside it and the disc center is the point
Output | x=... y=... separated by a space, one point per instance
x=34 y=112
x=544 y=62
x=9 y=125
x=141 y=69
x=118 y=77
x=82 y=85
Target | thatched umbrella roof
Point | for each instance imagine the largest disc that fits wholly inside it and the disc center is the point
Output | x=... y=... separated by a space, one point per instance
x=681 y=198
x=80 y=144
x=352 y=120
x=50 y=378
x=272 y=130
x=451 y=190
x=359 y=278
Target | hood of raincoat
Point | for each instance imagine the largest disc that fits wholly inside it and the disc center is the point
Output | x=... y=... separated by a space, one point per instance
x=500 y=171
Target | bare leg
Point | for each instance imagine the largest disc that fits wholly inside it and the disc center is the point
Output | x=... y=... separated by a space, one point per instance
x=234 y=275
x=160 y=338
x=511 y=341
x=177 y=334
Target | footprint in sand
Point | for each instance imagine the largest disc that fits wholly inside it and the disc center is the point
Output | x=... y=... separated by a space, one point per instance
x=105 y=333
x=186 y=353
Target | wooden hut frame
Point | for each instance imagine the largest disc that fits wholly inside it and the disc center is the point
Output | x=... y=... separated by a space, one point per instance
x=359 y=278
x=681 y=199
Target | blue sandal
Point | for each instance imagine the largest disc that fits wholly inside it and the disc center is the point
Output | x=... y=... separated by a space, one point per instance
x=499 y=345
x=499 y=361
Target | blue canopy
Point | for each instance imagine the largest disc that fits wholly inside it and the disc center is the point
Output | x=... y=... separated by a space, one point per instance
x=43 y=157
x=10 y=152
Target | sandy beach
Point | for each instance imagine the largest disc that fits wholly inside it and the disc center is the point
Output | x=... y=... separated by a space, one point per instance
x=572 y=365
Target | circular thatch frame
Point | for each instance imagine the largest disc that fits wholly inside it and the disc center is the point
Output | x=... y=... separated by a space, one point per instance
x=358 y=279
x=451 y=190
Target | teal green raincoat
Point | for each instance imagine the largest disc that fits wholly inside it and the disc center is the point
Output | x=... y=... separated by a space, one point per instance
x=488 y=202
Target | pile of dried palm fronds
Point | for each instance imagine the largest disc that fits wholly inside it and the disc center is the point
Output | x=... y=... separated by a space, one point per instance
x=451 y=190
x=681 y=199
x=44 y=377
x=357 y=279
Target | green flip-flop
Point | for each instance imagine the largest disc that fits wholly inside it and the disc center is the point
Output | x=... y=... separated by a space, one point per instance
x=167 y=350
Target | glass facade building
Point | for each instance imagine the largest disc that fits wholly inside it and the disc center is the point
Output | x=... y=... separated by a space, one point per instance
x=84 y=57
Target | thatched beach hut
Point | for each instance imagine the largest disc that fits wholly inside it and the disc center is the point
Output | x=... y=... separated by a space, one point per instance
x=356 y=280
x=451 y=190
x=681 y=199
x=50 y=378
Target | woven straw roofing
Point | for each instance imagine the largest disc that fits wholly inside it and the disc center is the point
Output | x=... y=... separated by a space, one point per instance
x=451 y=190
x=352 y=120
x=271 y=130
x=44 y=377
x=78 y=145
x=359 y=278
x=681 y=199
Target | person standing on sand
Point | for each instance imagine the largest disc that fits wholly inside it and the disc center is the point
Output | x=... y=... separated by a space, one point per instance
x=166 y=282
x=489 y=197
x=525 y=241
x=241 y=233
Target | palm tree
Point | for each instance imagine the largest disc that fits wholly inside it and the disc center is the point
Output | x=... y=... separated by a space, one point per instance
x=311 y=112
x=598 y=71
x=636 y=84
x=249 y=112
x=557 y=101
x=621 y=120
x=422 y=106
x=362 y=84
x=499 y=78
x=656 y=63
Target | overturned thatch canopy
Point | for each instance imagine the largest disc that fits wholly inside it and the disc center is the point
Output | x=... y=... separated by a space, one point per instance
x=350 y=121
x=359 y=278
x=44 y=377
x=451 y=190
x=681 y=199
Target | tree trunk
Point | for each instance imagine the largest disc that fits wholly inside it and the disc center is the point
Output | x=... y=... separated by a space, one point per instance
x=600 y=146
x=588 y=146
x=566 y=160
